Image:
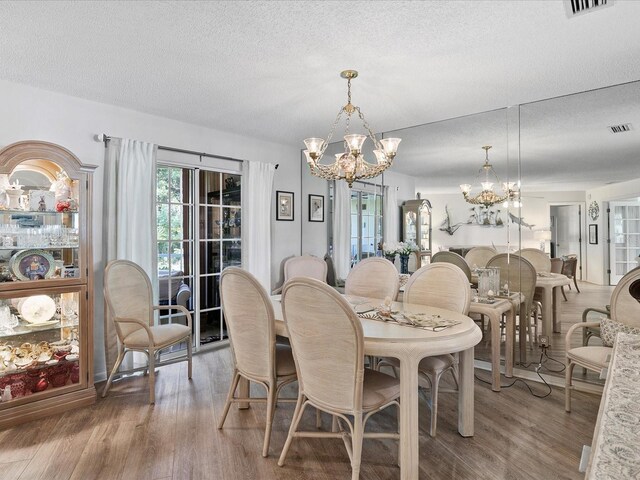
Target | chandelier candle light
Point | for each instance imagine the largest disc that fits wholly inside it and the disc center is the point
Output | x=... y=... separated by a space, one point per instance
x=487 y=196
x=351 y=164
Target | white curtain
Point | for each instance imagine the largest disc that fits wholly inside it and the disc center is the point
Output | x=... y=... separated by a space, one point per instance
x=390 y=217
x=130 y=216
x=257 y=189
x=341 y=229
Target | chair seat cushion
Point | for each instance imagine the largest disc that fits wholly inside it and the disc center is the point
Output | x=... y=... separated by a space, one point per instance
x=163 y=335
x=428 y=365
x=593 y=358
x=378 y=389
x=285 y=365
x=438 y=363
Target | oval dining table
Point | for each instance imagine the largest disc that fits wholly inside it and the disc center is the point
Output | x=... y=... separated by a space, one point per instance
x=410 y=345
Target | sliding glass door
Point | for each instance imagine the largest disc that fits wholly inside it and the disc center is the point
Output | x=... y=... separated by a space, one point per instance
x=199 y=225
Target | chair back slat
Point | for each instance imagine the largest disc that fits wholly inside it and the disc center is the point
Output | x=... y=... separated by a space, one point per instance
x=127 y=291
x=373 y=277
x=327 y=342
x=455 y=259
x=478 y=257
x=250 y=319
x=441 y=285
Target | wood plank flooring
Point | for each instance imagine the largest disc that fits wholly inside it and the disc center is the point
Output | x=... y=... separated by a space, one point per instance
x=517 y=436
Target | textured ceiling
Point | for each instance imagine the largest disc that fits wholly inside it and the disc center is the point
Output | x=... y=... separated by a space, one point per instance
x=270 y=69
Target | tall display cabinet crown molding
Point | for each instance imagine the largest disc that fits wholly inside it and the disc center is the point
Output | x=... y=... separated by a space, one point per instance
x=46 y=282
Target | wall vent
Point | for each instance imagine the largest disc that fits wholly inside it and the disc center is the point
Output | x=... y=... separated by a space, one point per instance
x=578 y=7
x=623 y=127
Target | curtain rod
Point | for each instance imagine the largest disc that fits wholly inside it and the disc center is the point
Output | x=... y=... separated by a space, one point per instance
x=105 y=138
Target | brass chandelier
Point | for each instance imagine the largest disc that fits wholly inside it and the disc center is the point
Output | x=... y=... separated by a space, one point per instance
x=351 y=164
x=487 y=196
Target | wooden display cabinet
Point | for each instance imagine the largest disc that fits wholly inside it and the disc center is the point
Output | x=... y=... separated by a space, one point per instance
x=416 y=227
x=46 y=282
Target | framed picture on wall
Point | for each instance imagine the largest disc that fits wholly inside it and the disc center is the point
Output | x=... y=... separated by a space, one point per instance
x=316 y=208
x=593 y=234
x=284 y=205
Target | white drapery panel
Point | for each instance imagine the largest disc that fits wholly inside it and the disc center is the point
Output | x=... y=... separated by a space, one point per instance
x=257 y=189
x=390 y=217
x=341 y=224
x=130 y=216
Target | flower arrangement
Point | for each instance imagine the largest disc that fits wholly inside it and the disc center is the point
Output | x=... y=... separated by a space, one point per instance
x=407 y=248
x=389 y=249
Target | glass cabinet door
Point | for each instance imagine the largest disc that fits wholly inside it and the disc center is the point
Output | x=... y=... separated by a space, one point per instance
x=42 y=344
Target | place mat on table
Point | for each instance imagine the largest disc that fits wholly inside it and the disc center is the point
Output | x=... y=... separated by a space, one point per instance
x=425 y=321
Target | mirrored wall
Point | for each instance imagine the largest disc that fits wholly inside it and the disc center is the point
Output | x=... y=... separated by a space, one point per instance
x=575 y=157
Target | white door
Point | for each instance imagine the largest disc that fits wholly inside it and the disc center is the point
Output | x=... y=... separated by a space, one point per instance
x=624 y=231
x=566 y=228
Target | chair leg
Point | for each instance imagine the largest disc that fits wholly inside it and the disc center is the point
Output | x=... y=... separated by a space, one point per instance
x=189 y=356
x=435 y=382
x=152 y=376
x=568 y=385
x=232 y=389
x=116 y=366
x=399 y=434
x=564 y=294
x=356 y=446
x=271 y=403
x=297 y=414
x=575 y=282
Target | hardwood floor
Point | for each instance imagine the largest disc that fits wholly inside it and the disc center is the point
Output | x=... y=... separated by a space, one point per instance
x=517 y=436
x=570 y=312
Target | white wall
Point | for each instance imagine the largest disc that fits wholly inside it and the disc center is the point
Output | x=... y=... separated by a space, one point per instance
x=34 y=114
x=598 y=254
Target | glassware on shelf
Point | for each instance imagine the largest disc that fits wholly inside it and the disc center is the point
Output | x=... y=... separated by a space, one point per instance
x=8 y=321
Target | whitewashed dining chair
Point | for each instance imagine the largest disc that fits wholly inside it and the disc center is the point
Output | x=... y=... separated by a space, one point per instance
x=453 y=258
x=249 y=315
x=478 y=257
x=520 y=276
x=624 y=315
x=440 y=285
x=304 y=266
x=331 y=373
x=540 y=260
x=373 y=277
x=129 y=298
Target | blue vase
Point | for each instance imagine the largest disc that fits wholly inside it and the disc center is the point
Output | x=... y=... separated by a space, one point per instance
x=404 y=263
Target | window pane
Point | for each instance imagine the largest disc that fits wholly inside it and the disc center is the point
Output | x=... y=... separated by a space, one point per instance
x=231 y=223
x=209 y=257
x=177 y=218
x=162 y=185
x=180 y=252
x=178 y=187
x=210 y=188
x=209 y=293
x=210 y=227
x=163 y=255
x=231 y=254
x=163 y=222
x=231 y=192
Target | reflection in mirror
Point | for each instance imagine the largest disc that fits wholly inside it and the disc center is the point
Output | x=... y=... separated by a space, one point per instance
x=579 y=159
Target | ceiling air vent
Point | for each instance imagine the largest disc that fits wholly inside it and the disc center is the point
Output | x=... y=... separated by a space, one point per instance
x=578 y=7
x=623 y=127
